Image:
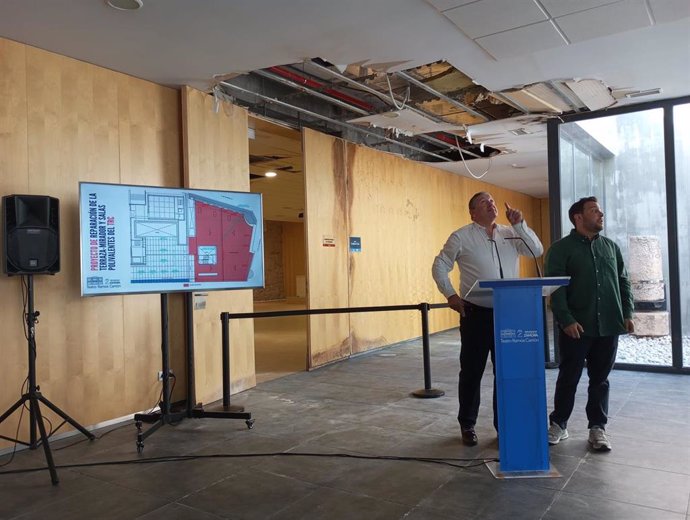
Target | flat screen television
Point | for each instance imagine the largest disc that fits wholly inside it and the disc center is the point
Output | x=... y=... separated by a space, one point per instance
x=145 y=239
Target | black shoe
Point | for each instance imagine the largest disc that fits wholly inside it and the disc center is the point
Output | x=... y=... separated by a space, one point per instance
x=469 y=438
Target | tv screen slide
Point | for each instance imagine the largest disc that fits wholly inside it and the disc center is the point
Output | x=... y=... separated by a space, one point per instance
x=143 y=239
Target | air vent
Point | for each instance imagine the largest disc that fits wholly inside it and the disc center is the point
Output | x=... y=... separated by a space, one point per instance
x=642 y=93
x=520 y=131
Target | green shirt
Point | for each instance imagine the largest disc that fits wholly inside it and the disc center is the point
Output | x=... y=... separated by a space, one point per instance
x=598 y=296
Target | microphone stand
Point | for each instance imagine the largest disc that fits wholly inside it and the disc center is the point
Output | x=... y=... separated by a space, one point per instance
x=547 y=349
x=500 y=267
x=536 y=264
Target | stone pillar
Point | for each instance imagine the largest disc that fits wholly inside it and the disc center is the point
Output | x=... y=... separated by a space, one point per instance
x=649 y=291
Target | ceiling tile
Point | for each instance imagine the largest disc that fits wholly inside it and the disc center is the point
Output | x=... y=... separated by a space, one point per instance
x=604 y=21
x=493 y=16
x=524 y=40
x=669 y=10
x=405 y=121
x=443 y=5
x=562 y=7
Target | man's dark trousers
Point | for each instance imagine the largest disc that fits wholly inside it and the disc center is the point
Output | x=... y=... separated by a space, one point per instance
x=477 y=341
x=600 y=354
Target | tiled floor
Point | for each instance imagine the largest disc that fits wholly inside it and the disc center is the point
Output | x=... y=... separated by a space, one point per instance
x=362 y=406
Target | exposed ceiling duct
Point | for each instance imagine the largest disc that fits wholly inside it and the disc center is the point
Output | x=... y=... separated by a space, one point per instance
x=428 y=113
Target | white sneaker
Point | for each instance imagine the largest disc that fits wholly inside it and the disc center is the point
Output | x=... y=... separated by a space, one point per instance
x=598 y=439
x=557 y=434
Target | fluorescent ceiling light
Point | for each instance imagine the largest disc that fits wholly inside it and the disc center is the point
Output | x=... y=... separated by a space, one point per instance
x=642 y=93
x=126 y=5
x=270 y=174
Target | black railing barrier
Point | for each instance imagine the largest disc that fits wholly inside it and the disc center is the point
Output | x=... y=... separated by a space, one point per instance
x=423 y=308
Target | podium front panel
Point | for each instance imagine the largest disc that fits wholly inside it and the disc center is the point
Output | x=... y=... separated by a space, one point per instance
x=520 y=379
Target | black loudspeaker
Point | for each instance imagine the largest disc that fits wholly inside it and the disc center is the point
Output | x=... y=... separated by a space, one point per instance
x=31 y=234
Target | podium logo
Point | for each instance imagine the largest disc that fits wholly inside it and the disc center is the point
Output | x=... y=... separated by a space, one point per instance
x=519 y=336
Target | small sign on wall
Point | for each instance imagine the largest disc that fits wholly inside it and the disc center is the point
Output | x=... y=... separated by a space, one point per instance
x=328 y=241
x=200 y=301
x=355 y=244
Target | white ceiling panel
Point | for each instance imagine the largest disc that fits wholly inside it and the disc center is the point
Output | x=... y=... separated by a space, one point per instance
x=443 y=5
x=562 y=7
x=670 y=10
x=603 y=21
x=405 y=121
x=524 y=40
x=493 y=16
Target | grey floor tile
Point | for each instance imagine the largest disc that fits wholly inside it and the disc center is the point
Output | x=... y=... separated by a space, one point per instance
x=464 y=495
x=516 y=502
x=633 y=485
x=28 y=491
x=314 y=469
x=403 y=482
x=251 y=495
x=576 y=507
x=363 y=406
x=674 y=457
x=114 y=502
x=423 y=513
x=175 y=480
x=333 y=504
x=179 y=512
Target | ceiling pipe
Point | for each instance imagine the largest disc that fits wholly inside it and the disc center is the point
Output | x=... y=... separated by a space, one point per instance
x=310 y=91
x=387 y=98
x=316 y=85
x=332 y=121
x=436 y=93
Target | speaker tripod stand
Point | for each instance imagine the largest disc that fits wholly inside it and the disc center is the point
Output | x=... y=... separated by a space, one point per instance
x=33 y=396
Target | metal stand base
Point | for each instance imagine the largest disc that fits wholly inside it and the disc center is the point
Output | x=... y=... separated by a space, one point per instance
x=428 y=393
x=224 y=412
x=159 y=419
x=504 y=475
x=33 y=396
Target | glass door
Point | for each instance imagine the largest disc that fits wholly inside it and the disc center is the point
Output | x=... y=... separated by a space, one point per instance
x=620 y=160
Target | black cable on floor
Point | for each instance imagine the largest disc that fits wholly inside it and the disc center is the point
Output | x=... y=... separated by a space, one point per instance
x=448 y=461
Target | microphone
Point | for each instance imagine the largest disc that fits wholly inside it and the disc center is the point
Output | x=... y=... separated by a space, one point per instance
x=500 y=267
x=536 y=264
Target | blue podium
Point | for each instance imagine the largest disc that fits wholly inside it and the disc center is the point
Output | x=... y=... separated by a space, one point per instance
x=520 y=379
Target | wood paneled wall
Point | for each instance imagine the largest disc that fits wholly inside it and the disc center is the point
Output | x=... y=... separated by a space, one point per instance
x=404 y=212
x=325 y=181
x=274 y=283
x=63 y=121
x=216 y=156
x=294 y=256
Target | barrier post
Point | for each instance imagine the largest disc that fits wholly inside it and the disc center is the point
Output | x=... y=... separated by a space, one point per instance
x=426 y=392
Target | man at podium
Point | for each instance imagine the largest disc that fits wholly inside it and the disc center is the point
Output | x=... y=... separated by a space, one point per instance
x=483 y=250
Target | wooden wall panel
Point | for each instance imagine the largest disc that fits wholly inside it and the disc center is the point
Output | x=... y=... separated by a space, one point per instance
x=327 y=267
x=404 y=212
x=294 y=259
x=13 y=179
x=149 y=123
x=216 y=156
x=73 y=135
x=64 y=123
x=274 y=283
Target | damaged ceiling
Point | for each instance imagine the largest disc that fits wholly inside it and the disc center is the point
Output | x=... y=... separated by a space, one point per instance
x=410 y=77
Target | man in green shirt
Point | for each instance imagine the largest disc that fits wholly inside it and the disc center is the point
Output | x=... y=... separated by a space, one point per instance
x=592 y=311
